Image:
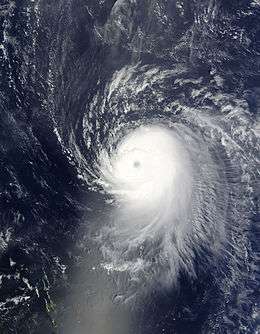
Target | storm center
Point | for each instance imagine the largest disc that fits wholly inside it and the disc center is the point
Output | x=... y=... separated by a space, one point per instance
x=137 y=164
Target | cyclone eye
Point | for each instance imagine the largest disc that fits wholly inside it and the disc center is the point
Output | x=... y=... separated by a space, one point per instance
x=136 y=164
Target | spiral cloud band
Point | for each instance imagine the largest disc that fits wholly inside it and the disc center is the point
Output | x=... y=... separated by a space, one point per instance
x=172 y=160
x=175 y=172
x=158 y=175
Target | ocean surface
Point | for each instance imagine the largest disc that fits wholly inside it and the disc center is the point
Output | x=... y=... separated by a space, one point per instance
x=77 y=78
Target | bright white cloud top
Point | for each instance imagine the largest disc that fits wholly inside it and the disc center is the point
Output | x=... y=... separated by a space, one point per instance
x=165 y=186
